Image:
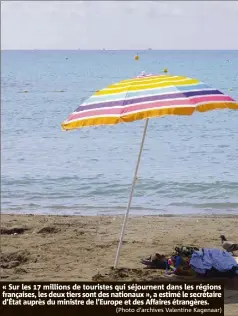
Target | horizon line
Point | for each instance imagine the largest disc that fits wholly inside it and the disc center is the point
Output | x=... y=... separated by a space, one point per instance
x=105 y=49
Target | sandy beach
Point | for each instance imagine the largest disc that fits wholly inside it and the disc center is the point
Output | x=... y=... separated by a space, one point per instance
x=77 y=248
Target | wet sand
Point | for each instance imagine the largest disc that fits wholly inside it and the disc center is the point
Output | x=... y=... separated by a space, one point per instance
x=76 y=248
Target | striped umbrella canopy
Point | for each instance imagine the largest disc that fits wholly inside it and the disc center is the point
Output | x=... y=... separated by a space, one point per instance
x=144 y=97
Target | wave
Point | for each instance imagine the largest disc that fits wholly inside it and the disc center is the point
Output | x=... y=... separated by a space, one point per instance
x=215 y=205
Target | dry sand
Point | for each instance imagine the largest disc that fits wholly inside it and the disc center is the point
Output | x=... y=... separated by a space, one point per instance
x=75 y=248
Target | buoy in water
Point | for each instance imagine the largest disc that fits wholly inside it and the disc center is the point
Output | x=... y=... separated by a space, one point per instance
x=165 y=70
x=230 y=89
x=136 y=57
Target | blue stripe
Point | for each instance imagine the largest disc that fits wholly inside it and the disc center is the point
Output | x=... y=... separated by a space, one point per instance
x=126 y=102
x=141 y=93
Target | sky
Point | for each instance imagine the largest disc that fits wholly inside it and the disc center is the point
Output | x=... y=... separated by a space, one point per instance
x=119 y=25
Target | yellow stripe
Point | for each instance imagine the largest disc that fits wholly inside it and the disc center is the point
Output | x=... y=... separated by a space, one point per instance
x=127 y=118
x=233 y=106
x=156 y=113
x=145 y=114
x=147 y=79
x=90 y=122
x=158 y=79
x=216 y=106
x=144 y=87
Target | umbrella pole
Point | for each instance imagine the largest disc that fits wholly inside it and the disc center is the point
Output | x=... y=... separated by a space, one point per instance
x=130 y=197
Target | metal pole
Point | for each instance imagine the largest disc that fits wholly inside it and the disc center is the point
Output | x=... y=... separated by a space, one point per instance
x=130 y=197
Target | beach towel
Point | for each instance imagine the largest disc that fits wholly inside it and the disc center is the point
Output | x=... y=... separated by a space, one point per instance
x=207 y=259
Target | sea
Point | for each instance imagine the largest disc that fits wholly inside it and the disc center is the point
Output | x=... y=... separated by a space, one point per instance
x=189 y=164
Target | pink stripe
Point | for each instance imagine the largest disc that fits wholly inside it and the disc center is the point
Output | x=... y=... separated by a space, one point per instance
x=111 y=111
x=144 y=106
x=210 y=98
x=169 y=103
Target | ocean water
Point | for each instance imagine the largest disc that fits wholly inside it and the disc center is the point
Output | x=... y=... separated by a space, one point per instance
x=189 y=164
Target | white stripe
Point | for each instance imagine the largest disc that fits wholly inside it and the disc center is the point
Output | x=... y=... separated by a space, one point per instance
x=119 y=115
x=148 y=109
x=177 y=106
x=148 y=95
x=126 y=92
x=145 y=84
x=143 y=102
x=136 y=81
x=89 y=117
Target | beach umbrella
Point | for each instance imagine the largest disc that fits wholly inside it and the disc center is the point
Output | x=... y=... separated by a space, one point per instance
x=144 y=97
